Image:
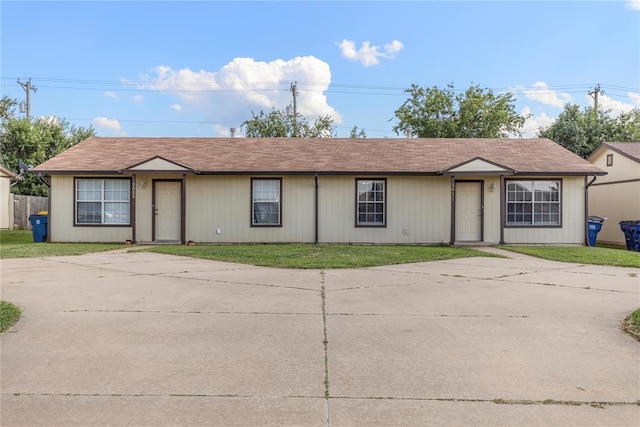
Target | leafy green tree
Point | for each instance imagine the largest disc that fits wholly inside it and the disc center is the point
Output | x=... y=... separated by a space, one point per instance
x=35 y=142
x=627 y=127
x=7 y=107
x=433 y=112
x=357 y=133
x=278 y=124
x=582 y=131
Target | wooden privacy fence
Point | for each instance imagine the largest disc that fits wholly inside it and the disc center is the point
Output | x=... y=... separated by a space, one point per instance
x=24 y=206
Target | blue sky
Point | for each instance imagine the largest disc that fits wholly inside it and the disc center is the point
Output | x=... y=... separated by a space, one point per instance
x=160 y=68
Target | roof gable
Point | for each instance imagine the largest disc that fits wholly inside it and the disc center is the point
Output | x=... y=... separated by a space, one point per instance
x=479 y=165
x=158 y=164
x=631 y=150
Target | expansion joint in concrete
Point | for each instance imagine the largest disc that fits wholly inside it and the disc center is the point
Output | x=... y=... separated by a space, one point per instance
x=325 y=344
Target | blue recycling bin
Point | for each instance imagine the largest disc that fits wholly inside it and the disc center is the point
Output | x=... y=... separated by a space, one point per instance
x=626 y=227
x=594 y=227
x=39 y=227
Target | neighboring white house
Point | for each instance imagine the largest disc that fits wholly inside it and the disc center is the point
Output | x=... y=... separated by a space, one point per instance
x=401 y=191
x=616 y=195
x=6 y=198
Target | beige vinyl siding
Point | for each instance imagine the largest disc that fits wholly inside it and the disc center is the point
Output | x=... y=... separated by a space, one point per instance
x=224 y=203
x=61 y=227
x=617 y=202
x=6 y=202
x=418 y=210
x=623 y=167
x=573 y=228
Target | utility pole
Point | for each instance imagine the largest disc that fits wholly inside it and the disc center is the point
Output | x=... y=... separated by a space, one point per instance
x=294 y=92
x=594 y=94
x=28 y=88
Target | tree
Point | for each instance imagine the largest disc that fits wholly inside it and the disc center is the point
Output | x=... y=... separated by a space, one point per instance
x=35 y=142
x=278 y=124
x=357 y=133
x=582 y=131
x=7 y=105
x=441 y=113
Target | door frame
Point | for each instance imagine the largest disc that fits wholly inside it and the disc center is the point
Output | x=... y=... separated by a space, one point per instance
x=182 y=207
x=453 y=206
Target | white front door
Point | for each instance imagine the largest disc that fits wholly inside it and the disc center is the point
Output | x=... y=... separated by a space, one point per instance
x=468 y=212
x=167 y=211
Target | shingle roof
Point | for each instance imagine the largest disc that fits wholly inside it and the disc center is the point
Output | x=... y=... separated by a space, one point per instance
x=630 y=149
x=328 y=155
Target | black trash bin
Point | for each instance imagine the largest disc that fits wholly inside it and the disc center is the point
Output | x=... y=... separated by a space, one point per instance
x=594 y=226
x=39 y=227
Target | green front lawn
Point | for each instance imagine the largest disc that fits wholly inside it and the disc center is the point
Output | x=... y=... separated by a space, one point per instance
x=20 y=244
x=9 y=315
x=581 y=254
x=319 y=256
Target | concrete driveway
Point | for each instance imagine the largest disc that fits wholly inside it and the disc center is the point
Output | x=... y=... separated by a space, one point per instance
x=137 y=338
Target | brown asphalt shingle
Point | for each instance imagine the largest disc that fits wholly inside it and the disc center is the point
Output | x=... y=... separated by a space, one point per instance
x=329 y=155
x=631 y=149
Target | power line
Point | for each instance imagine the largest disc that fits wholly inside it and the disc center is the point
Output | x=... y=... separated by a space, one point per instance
x=169 y=86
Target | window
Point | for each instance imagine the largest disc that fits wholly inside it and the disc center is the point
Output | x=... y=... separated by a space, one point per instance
x=371 y=202
x=102 y=201
x=265 y=202
x=533 y=203
x=609 y=159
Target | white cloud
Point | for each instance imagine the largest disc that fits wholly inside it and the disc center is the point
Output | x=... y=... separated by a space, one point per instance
x=138 y=98
x=533 y=124
x=608 y=104
x=112 y=125
x=109 y=94
x=369 y=55
x=635 y=97
x=633 y=4
x=540 y=92
x=229 y=95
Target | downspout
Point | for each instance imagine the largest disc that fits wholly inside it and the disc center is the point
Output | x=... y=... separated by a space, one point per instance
x=502 y=209
x=316 y=211
x=183 y=210
x=586 y=208
x=134 y=190
x=452 y=237
x=48 y=184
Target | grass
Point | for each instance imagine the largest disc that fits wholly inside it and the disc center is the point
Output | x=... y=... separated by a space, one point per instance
x=631 y=324
x=9 y=315
x=581 y=254
x=20 y=244
x=319 y=256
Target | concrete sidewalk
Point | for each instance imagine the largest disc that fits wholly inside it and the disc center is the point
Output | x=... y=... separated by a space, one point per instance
x=135 y=338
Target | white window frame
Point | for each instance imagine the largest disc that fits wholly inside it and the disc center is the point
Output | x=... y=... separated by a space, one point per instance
x=533 y=203
x=267 y=193
x=371 y=202
x=103 y=198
